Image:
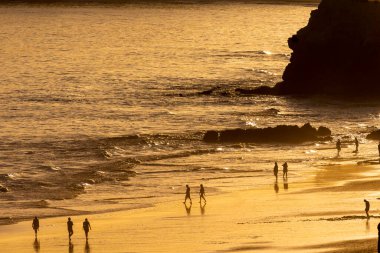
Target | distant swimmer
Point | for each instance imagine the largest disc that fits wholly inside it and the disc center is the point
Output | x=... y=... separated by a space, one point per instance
x=86 y=227
x=338 y=146
x=275 y=170
x=35 y=225
x=70 y=225
x=187 y=196
x=202 y=194
x=285 y=170
x=356 y=145
x=366 y=208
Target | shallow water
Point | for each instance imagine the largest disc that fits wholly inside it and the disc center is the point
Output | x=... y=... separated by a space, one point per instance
x=91 y=104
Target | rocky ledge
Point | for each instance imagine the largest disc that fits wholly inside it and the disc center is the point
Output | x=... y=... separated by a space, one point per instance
x=278 y=134
x=337 y=53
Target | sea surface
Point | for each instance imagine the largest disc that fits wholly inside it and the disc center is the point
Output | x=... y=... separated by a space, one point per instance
x=100 y=106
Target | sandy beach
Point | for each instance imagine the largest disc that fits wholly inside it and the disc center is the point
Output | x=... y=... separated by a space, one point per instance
x=324 y=214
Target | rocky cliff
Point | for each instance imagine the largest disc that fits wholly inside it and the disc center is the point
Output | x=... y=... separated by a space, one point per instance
x=337 y=53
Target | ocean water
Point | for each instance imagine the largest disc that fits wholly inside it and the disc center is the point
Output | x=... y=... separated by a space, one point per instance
x=100 y=107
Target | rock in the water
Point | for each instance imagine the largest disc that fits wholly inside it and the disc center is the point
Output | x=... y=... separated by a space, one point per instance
x=279 y=134
x=3 y=189
x=374 y=135
x=337 y=53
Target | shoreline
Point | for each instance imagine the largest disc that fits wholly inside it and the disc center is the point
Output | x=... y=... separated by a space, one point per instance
x=237 y=221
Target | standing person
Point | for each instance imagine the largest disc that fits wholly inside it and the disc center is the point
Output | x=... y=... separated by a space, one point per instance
x=187 y=196
x=366 y=208
x=70 y=225
x=275 y=170
x=36 y=225
x=202 y=194
x=338 y=146
x=285 y=170
x=378 y=148
x=378 y=240
x=86 y=227
x=356 y=145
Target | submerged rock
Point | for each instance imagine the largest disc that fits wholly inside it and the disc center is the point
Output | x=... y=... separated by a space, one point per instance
x=279 y=134
x=3 y=189
x=374 y=135
x=337 y=53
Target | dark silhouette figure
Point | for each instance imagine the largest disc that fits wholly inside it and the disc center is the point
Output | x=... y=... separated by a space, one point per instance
x=187 y=195
x=71 y=247
x=285 y=170
x=276 y=188
x=338 y=146
x=87 y=248
x=378 y=241
x=36 y=245
x=86 y=227
x=286 y=185
x=35 y=226
x=378 y=148
x=203 y=208
x=275 y=170
x=70 y=225
x=356 y=145
x=202 y=194
x=366 y=208
x=188 y=208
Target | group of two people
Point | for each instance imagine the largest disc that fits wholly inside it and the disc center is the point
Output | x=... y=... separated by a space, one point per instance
x=201 y=194
x=70 y=224
x=284 y=170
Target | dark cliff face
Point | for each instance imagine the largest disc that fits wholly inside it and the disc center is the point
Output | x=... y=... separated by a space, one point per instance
x=338 y=52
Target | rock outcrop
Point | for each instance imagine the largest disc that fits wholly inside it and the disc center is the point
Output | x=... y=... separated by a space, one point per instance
x=337 y=53
x=374 y=135
x=278 y=134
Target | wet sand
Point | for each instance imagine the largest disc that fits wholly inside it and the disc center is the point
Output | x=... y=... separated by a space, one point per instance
x=324 y=214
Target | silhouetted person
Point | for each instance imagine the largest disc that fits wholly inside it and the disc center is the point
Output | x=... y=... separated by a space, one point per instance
x=285 y=170
x=86 y=227
x=338 y=146
x=87 y=248
x=36 y=245
x=35 y=226
x=203 y=208
x=70 y=225
x=356 y=145
x=275 y=170
x=276 y=188
x=378 y=240
x=378 y=148
x=366 y=208
x=187 y=195
x=202 y=194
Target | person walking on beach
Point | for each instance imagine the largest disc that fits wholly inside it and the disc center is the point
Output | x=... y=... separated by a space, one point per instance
x=35 y=225
x=86 y=227
x=202 y=194
x=70 y=225
x=275 y=170
x=338 y=146
x=356 y=145
x=187 y=195
x=366 y=208
x=285 y=170
x=378 y=240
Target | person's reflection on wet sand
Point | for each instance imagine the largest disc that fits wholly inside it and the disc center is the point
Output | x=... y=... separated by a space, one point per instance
x=367 y=227
x=87 y=248
x=36 y=245
x=71 y=247
x=276 y=188
x=286 y=186
x=188 y=208
x=203 y=208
